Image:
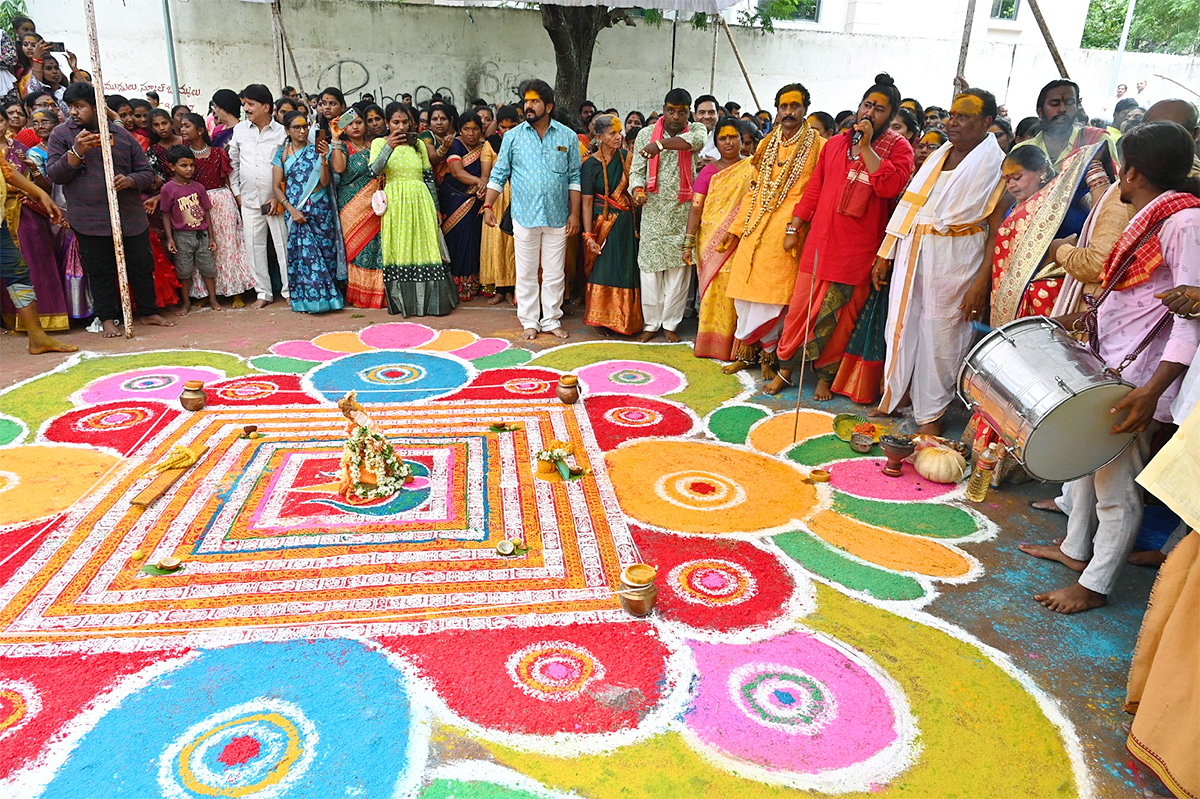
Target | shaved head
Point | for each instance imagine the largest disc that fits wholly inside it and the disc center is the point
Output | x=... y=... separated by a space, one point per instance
x=1180 y=111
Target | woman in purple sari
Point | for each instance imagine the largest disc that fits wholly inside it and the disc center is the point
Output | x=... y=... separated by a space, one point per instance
x=31 y=229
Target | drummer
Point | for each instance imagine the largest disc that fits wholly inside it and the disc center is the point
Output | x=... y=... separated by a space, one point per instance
x=1157 y=252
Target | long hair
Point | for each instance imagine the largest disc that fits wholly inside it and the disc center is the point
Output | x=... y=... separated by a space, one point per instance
x=396 y=107
x=198 y=122
x=1163 y=152
x=162 y=112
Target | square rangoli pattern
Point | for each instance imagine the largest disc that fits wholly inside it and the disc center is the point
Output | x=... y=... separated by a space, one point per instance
x=267 y=542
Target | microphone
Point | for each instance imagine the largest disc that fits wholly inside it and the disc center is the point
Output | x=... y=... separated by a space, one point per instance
x=856 y=138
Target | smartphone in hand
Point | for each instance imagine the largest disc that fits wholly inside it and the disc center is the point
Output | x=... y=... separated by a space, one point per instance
x=56 y=47
x=266 y=209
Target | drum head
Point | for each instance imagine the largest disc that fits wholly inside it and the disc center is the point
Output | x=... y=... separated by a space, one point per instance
x=1073 y=439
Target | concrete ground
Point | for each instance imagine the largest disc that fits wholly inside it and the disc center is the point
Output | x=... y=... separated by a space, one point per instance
x=1081 y=661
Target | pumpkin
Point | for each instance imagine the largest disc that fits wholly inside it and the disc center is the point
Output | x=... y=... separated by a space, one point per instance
x=940 y=464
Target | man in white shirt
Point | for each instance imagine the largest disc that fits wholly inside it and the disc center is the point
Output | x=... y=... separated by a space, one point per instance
x=252 y=149
x=707 y=112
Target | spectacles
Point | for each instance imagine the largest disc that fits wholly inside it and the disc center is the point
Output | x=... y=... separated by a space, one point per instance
x=304 y=126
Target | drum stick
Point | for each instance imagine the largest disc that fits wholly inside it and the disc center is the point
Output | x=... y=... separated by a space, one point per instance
x=810 y=323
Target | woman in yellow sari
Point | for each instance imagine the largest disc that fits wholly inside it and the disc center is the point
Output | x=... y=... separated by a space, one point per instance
x=717 y=196
x=497 y=255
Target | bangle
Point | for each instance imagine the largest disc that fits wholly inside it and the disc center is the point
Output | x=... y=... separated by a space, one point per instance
x=487 y=206
x=37 y=60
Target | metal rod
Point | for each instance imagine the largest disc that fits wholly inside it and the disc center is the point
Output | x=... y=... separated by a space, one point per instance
x=170 y=37
x=738 y=55
x=809 y=325
x=1116 y=78
x=966 y=44
x=114 y=210
x=1041 y=21
x=674 y=32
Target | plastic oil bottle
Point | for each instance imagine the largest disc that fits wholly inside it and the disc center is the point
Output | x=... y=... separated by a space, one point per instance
x=981 y=478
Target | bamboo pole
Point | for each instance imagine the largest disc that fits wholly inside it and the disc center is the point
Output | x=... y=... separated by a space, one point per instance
x=966 y=44
x=737 y=54
x=1180 y=85
x=1041 y=21
x=277 y=43
x=114 y=210
x=288 y=45
x=712 y=72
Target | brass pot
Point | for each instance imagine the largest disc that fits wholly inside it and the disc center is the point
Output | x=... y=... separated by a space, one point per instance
x=568 y=389
x=193 y=396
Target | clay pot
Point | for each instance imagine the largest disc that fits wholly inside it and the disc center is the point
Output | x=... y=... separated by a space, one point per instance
x=897 y=449
x=193 y=396
x=638 y=591
x=568 y=389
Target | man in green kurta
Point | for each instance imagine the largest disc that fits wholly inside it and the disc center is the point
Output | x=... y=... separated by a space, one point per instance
x=664 y=166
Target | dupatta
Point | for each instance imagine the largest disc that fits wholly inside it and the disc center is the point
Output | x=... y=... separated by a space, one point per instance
x=616 y=200
x=360 y=225
x=722 y=203
x=1026 y=234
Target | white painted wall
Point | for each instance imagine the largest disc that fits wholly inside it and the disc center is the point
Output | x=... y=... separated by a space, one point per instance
x=390 y=48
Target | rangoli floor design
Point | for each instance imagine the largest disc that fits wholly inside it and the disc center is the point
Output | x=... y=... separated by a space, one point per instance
x=311 y=648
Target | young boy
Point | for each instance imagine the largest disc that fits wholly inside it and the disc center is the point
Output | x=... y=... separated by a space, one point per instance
x=185 y=206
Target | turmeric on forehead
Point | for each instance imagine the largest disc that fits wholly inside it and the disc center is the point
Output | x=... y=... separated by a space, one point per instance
x=793 y=97
x=967 y=104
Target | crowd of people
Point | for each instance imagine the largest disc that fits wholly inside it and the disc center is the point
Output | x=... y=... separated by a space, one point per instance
x=871 y=246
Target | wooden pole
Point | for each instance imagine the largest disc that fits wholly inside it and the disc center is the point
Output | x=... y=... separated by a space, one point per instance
x=737 y=54
x=114 y=210
x=1041 y=21
x=712 y=72
x=277 y=42
x=966 y=44
x=1180 y=85
x=288 y=45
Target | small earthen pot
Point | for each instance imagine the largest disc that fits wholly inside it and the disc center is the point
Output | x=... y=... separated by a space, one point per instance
x=897 y=448
x=638 y=591
x=193 y=396
x=568 y=389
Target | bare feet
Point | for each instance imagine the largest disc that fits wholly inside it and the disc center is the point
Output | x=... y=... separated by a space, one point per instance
x=1072 y=599
x=185 y=308
x=734 y=368
x=671 y=335
x=649 y=335
x=782 y=378
x=767 y=372
x=1048 y=505
x=878 y=413
x=512 y=299
x=1150 y=557
x=496 y=299
x=1053 y=552
x=156 y=320
x=602 y=332
x=44 y=343
x=559 y=333
x=213 y=304
x=822 y=392
x=260 y=304
x=933 y=428
x=529 y=333
x=110 y=328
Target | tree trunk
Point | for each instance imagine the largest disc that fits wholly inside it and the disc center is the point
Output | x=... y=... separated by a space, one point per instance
x=573 y=31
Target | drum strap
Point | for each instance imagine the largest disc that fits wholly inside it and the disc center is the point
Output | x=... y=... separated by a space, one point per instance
x=1091 y=320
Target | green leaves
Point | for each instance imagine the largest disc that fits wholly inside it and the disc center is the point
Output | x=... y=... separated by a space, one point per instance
x=1159 y=26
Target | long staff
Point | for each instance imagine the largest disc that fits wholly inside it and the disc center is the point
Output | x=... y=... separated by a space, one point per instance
x=809 y=324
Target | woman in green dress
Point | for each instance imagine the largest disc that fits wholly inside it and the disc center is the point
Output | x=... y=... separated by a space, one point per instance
x=350 y=159
x=614 y=296
x=416 y=279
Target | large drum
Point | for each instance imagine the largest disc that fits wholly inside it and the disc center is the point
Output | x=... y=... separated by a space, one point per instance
x=1048 y=396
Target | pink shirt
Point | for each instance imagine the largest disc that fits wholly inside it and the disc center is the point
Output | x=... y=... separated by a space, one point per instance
x=1126 y=316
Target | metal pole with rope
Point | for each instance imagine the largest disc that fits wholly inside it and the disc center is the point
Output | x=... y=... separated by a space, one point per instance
x=114 y=210
x=737 y=54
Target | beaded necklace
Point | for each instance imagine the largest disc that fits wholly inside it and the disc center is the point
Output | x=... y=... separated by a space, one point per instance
x=770 y=188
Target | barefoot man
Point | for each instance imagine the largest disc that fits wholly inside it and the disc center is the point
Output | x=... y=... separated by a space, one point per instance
x=74 y=161
x=941 y=238
x=860 y=173
x=540 y=157
x=1159 y=251
x=763 y=273
x=661 y=175
x=14 y=273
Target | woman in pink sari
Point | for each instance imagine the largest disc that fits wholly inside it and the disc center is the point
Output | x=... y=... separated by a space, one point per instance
x=717 y=196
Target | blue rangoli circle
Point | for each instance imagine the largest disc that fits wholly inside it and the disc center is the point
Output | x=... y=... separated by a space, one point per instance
x=390 y=376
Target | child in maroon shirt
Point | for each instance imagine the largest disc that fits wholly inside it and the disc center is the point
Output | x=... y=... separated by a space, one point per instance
x=185 y=205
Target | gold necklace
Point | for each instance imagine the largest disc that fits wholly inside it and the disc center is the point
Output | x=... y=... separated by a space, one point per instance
x=774 y=188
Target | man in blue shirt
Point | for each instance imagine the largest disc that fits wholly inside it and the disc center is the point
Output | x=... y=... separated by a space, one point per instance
x=541 y=158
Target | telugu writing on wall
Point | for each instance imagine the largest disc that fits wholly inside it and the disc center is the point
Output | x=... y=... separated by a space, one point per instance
x=163 y=89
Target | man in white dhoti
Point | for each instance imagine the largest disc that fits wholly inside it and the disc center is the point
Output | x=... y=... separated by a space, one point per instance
x=940 y=239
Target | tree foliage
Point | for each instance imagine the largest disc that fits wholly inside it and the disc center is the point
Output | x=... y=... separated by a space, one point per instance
x=1159 y=26
x=10 y=9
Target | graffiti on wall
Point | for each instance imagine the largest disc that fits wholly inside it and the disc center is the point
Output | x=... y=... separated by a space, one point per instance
x=163 y=89
x=354 y=78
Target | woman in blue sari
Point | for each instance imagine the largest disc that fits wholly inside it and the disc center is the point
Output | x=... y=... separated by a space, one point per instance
x=461 y=195
x=302 y=179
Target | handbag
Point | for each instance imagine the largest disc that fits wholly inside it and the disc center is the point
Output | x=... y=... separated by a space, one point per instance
x=506 y=223
x=379 y=202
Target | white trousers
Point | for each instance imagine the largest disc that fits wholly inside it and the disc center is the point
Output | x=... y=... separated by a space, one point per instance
x=1104 y=515
x=255 y=226
x=664 y=296
x=539 y=304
